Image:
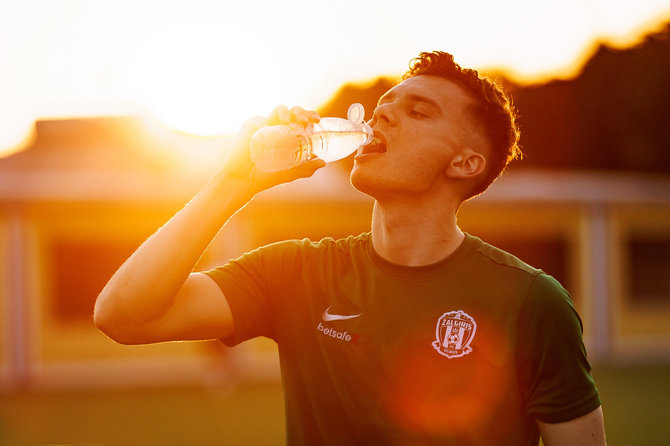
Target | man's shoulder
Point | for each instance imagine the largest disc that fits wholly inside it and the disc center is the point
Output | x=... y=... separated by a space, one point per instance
x=327 y=244
x=499 y=258
x=351 y=242
x=501 y=270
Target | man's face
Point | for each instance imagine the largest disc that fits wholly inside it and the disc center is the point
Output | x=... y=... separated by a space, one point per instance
x=419 y=126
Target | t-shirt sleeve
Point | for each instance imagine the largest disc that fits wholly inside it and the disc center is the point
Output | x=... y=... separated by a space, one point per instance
x=251 y=284
x=554 y=372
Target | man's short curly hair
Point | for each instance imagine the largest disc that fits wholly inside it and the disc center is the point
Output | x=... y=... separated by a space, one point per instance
x=492 y=110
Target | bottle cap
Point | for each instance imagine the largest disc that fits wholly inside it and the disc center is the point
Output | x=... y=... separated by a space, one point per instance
x=368 y=131
x=356 y=113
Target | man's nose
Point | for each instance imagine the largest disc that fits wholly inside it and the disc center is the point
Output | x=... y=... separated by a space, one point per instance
x=384 y=113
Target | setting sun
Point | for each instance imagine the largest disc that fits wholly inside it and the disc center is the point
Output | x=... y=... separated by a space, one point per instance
x=204 y=67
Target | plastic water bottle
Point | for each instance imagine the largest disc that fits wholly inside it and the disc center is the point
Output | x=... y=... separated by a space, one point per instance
x=280 y=147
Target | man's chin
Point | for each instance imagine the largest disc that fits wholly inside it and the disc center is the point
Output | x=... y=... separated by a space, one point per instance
x=363 y=182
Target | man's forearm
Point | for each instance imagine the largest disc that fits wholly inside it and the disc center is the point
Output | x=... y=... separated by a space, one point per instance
x=145 y=285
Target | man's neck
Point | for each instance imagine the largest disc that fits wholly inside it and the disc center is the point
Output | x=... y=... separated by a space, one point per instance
x=414 y=234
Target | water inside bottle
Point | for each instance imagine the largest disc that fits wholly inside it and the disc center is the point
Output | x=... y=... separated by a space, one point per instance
x=334 y=145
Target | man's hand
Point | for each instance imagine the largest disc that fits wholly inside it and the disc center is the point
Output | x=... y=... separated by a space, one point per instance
x=239 y=163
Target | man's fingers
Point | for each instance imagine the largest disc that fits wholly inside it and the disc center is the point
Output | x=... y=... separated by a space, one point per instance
x=304 y=117
x=304 y=170
x=280 y=115
x=313 y=165
x=307 y=168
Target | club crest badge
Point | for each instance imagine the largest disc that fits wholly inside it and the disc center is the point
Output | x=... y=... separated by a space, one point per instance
x=454 y=332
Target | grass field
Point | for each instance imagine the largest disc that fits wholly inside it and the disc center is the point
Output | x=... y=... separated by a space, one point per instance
x=636 y=401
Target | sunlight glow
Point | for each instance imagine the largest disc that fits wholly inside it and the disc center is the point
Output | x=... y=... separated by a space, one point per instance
x=203 y=67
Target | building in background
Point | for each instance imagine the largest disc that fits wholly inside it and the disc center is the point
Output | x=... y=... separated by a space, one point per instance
x=86 y=192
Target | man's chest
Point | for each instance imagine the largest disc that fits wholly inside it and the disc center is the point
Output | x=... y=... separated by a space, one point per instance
x=427 y=354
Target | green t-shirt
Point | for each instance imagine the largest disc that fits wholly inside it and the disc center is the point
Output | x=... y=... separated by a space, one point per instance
x=468 y=351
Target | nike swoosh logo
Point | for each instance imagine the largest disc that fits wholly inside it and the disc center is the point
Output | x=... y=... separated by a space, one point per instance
x=327 y=317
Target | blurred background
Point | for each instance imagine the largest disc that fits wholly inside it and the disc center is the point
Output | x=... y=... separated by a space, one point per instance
x=113 y=114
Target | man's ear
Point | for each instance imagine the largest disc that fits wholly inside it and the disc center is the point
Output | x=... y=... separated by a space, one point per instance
x=466 y=164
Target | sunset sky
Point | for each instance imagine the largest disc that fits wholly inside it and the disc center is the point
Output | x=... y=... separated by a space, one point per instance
x=202 y=67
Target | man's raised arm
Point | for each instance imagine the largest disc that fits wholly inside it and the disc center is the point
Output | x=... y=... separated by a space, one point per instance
x=155 y=296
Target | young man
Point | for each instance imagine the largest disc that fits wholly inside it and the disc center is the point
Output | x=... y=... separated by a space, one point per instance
x=414 y=333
